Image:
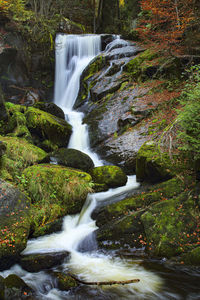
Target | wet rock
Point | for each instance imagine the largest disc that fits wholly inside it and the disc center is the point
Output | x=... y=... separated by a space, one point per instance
x=16 y=288
x=51 y=108
x=40 y=262
x=125 y=51
x=14 y=224
x=122 y=150
x=73 y=158
x=112 y=176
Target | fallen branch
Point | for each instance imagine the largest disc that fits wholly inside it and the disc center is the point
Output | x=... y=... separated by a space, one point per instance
x=104 y=282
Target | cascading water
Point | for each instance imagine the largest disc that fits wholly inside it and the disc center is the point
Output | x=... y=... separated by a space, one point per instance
x=73 y=53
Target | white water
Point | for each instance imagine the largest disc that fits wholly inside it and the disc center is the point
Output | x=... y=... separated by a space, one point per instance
x=72 y=56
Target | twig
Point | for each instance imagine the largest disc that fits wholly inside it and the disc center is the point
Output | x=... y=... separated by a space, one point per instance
x=104 y=282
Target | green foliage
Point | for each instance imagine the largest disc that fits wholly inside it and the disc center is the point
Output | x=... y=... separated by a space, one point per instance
x=189 y=116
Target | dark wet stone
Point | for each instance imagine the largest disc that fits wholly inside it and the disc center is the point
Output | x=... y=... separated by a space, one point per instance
x=51 y=108
x=39 y=262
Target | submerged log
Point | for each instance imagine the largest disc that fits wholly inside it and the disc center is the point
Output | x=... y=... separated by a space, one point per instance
x=105 y=282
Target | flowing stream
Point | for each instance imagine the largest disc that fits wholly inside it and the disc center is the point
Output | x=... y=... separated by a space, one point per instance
x=73 y=54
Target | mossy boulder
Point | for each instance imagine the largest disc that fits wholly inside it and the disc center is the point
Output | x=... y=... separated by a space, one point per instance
x=55 y=191
x=14 y=224
x=50 y=108
x=65 y=282
x=19 y=154
x=112 y=176
x=170 y=226
x=153 y=165
x=47 y=126
x=73 y=158
x=40 y=262
x=16 y=288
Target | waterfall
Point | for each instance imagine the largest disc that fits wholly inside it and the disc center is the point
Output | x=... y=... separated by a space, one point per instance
x=73 y=54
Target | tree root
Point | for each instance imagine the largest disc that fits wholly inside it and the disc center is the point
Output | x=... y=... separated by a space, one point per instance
x=99 y=283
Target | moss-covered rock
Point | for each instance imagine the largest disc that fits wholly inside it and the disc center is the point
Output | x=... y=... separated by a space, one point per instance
x=65 y=281
x=73 y=158
x=16 y=288
x=40 y=262
x=19 y=154
x=2 y=288
x=138 y=67
x=153 y=165
x=55 y=191
x=112 y=176
x=170 y=224
x=14 y=224
x=124 y=232
x=50 y=108
x=47 y=126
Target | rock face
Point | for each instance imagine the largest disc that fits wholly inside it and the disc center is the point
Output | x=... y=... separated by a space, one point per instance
x=112 y=104
x=14 y=225
x=73 y=158
x=55 y=192
x=112 y=176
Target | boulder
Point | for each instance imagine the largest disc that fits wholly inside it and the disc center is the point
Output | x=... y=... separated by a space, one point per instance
x=65 y=282
x=153 y=165
x=19 y=154
x=55 y=191
x=14 y=223
x=47 y=126
x=16 y=288
x=40 y=262
x=73 y=158
x=112 y=176
x=51 y=108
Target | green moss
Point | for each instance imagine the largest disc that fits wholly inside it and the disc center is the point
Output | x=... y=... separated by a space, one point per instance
x=48 y=126
x=112 y=176
x=152 y=164
x=192 y=257
x=19 y=155
x=137 y=67
x=166 y=224
x=55 y=192
x=65 y=282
